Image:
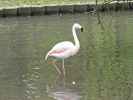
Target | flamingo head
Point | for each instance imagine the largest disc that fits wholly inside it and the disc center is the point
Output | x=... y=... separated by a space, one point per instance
x=78 y=27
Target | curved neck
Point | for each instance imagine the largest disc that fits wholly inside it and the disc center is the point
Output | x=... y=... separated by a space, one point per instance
x=74 y=31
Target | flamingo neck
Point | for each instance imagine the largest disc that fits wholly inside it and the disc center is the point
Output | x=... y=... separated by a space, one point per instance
x=77 y=44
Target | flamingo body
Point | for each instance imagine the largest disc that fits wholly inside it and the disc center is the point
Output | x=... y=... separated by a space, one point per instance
x=63 y=50
x=66 y=49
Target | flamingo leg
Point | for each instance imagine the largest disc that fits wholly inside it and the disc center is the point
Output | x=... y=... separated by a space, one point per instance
x=63 y=68
x=56 y=67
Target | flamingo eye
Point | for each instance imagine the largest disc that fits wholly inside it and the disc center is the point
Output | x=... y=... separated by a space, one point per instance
x=82 y=29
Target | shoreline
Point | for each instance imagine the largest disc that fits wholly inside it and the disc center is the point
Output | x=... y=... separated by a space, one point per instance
x=32 y=10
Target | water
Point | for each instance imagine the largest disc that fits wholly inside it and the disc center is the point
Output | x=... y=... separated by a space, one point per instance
x=102 y=70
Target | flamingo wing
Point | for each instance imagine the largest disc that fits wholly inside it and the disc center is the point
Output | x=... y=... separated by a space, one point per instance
x=60 y=47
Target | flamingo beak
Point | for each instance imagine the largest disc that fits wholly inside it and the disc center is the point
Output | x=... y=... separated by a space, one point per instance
x=82 y=29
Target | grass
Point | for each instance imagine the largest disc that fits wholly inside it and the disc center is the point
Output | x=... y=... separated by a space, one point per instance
x=10 y=3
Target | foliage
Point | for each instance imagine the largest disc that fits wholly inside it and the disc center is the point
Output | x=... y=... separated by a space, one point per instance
x=6 y=3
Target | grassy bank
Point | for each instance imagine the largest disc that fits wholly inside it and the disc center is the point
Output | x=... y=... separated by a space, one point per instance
x=10 y=3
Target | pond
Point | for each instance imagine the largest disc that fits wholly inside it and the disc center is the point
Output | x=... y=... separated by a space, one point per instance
x=101 y=70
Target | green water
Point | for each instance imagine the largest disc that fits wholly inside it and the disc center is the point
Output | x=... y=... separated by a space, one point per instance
x=102 y=69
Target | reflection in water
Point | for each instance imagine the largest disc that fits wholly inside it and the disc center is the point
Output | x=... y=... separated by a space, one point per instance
x=62 y=90
x=63 y=93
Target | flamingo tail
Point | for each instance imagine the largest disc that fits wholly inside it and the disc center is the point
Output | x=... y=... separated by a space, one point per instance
x=47 y=55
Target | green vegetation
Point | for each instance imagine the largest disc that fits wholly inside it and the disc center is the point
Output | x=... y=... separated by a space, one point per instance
x=10 y=3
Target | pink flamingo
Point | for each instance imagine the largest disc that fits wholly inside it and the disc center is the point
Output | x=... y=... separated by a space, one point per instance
x=65 y=49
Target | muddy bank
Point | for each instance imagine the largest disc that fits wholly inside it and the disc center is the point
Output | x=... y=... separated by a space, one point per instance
x=31 y=10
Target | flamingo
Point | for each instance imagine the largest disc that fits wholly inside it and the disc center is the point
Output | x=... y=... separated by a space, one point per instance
x=66 y=49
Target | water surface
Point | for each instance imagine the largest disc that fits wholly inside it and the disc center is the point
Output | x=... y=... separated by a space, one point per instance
x=102 y=70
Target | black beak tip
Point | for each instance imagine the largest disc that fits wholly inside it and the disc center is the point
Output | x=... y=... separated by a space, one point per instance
x=82 y=29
